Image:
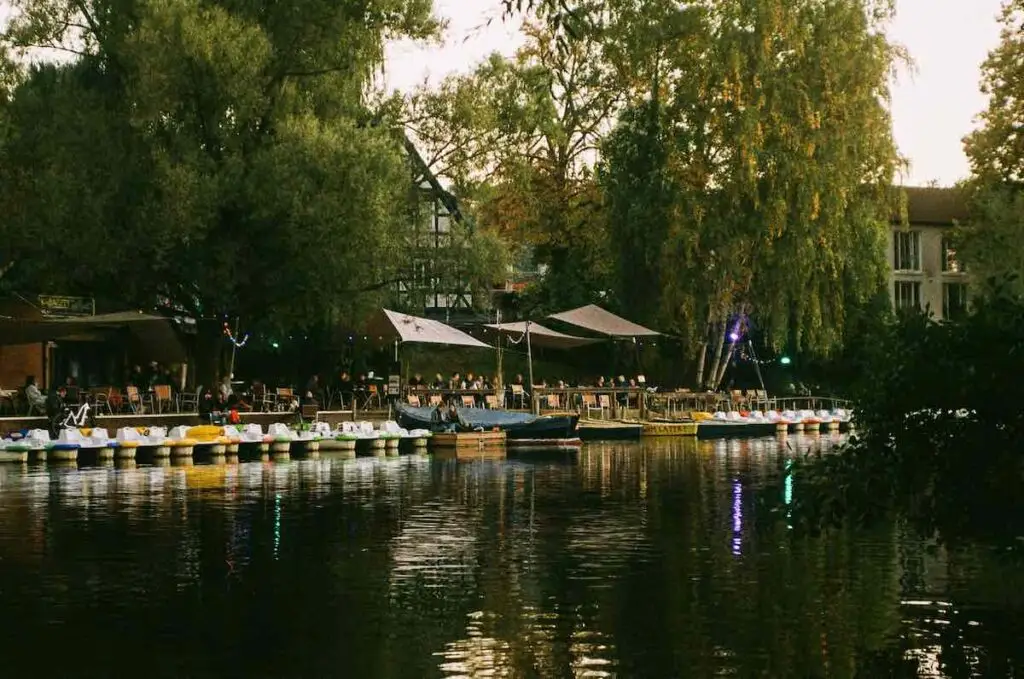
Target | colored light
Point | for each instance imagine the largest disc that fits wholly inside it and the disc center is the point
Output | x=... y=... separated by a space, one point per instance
x=734 y=337
x=784 y=360
x=274 y=344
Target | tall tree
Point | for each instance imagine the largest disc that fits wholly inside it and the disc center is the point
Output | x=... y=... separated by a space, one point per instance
x=520 y=137
x=218 y=155
x=994 y=243
x=767 y=121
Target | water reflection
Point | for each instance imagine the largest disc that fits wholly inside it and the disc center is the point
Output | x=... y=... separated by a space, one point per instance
x=638 y=560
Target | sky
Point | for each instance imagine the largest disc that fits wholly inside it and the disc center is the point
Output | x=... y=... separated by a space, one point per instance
x=933 y=106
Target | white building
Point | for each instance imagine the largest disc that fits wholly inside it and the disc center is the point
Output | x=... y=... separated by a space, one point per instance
x=925 y=272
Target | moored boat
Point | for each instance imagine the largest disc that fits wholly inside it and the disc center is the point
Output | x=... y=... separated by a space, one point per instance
x=515 y=425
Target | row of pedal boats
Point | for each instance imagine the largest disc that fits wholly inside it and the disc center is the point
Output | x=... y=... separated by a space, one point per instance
x=208 y=439
x=756 y=423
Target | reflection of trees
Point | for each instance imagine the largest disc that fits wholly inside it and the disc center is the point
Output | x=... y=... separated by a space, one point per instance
x=620 y=563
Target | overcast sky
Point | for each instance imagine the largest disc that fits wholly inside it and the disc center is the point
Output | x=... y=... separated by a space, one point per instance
x=933 y=108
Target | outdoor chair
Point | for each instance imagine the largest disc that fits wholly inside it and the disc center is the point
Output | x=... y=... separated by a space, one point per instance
x=518 y=393
x=137 y=402
x=591 y=404
x=188 y=402
x=162 y=398
x=491 y=401
x=468 y=402
x=283 y=398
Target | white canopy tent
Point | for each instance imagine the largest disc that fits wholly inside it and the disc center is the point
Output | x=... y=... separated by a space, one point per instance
x=413 y=329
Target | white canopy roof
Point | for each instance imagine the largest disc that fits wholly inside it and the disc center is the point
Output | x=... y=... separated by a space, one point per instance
x=406 y=328
x=541 y=336
x=596 y=319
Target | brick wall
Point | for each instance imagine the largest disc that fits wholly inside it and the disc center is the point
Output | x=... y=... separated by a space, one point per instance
x=19 y=360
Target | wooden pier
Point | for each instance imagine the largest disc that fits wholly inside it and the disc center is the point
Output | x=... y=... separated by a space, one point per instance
x=470 y=440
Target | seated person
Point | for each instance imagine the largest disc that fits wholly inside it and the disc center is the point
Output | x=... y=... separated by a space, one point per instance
x=35 y=398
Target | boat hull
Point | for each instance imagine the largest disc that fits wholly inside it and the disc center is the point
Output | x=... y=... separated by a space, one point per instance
x=515 y=425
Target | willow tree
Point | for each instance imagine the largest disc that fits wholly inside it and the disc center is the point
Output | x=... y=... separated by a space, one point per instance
x=994 y=243
x=215 y=155
x=769 y=157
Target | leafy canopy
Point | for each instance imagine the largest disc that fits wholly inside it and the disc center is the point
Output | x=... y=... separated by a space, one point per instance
x=219 y=155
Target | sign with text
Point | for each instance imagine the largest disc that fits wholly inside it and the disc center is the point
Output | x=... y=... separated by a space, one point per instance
x=59 y=305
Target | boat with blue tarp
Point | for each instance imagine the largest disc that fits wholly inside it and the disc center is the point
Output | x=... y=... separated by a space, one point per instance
x=515 y=425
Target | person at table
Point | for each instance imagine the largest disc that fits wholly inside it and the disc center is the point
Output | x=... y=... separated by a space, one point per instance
x=601 y=384
x=456 y=382
x=33 y=395
x=313 y=393
x=345 y=388
x=417 y=381
x=208 y=405
x=224 y=390
x=473 y=382
x=137 y=378
x=439 y=382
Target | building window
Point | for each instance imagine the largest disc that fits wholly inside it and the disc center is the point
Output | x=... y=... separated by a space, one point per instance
x=954 y=301
x=906 y=251
x=907 y=295
x=950 y=263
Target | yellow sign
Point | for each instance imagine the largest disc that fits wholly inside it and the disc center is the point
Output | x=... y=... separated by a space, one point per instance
x=59 y=305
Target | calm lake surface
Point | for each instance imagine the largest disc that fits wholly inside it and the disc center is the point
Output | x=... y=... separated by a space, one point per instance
x=628 y=560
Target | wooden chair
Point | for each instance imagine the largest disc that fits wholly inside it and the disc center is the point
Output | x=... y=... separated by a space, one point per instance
x=188 y=402
x=283 y=397
x=162 y=396
x=491 y=401
x=590 y=404
x=413 y=400
x=137 y=401
x=468 y=402
x=554 y=401
x=518 y=393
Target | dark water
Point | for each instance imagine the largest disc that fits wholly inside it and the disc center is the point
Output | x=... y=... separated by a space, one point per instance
x=655 y=560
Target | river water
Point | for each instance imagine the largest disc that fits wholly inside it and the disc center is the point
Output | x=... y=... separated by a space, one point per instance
x=628 y=560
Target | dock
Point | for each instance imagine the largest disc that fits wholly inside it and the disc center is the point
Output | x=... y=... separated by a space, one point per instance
x=669 y=429
x=527 y=445
x=469 y=440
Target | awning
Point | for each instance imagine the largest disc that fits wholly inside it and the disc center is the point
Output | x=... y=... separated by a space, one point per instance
x=154 y=333
x=541 y=336
x=406 y=328
x=596 y=319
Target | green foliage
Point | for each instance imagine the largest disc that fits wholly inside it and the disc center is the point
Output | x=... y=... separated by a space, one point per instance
x=938 y=427
x=993 y=244
x=516 y=139
x=754 y=178
x=215 y=154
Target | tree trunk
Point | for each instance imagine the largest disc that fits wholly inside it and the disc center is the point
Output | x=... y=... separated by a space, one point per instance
x=724 y=365
x=712 y=383
x=701 y=357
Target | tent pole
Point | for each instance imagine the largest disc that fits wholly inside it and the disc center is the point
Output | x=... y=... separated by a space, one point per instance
x=499 y=378
x=234 y=346
x=529 y=358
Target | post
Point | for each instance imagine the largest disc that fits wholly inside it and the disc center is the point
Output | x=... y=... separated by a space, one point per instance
x=234 y=347
x=529 y=362
x=757 y=366
x=499 y=379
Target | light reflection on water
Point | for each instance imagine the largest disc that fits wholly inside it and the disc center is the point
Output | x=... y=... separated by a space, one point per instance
x=653 y=559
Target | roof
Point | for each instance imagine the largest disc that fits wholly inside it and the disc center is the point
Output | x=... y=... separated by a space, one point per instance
x=155 y=333
x=596 y=319
x=405 y=328
x=935 y=206
x=541 y=336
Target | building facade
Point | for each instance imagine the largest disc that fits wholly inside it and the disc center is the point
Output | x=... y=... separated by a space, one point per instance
x=433 y=286
x=925 y=272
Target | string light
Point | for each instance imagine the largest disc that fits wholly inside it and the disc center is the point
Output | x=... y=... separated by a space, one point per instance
x=231 y=337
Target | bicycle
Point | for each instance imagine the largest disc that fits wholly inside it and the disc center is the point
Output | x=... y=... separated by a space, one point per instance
x=78 y=418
